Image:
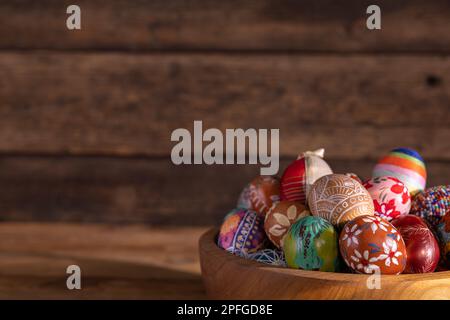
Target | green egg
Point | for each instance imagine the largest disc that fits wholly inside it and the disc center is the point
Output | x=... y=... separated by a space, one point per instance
x=312 y=244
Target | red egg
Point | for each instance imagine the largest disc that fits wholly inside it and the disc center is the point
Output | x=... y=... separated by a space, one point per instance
x=409 y=220
x=300 y=175
x=421 y=245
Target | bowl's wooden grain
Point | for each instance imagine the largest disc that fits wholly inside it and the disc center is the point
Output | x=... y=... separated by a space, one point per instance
x=226 y=276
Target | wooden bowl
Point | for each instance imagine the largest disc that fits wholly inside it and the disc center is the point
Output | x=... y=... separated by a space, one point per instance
x=226 y=276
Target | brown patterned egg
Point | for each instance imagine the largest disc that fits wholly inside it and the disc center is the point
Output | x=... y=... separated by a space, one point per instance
x=371 y=244
x=260 y=194
x=339 y=199
x=280 y=217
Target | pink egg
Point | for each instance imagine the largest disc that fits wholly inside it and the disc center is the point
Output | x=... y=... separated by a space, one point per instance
x=390 y=196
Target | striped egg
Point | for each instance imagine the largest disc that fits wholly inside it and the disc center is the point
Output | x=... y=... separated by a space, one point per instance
x=300 y=175
x=406 y=165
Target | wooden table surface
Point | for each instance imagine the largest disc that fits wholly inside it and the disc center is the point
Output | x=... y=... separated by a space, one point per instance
x=117 y=262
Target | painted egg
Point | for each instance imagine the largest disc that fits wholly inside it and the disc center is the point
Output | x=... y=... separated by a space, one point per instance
x=443 y=233
x=260 y=194
x=421 y=246
x=390 y=197
x=339 y=199
x=371 y=244
x=269 y=256
x=406 y=165
x=299 y=176
x=311 y=244
x=354 y=176
x=242 y=233
x=280 y=218
x=432 y=204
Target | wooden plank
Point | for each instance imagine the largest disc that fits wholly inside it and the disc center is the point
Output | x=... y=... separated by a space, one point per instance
x=96 y=189
x=126 y=262
x=126 y=104
x=313 y=25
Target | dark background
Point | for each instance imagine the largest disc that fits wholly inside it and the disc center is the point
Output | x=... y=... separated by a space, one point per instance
x=86 y=116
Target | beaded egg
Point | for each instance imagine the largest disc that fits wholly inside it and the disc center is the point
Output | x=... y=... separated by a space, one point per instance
x=432 y=204
x=301 y=174
x=269 y=256
x=260 y=194
x=370 y=244
x=339 y=199
x=280 y=217
x=311 y=244
x=421 y=246
x=390 y=197
x=406 y=165
x=242 y=233
x=443 y=233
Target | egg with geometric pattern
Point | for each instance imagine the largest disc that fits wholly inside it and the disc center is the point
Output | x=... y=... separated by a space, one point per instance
x=272 y=257
x=339 y=199
x=242 y=233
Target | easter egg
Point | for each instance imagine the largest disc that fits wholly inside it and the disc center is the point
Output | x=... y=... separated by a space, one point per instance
x=242 y=233
x=443 y=233
x=432 y=204
x=260 y=194
x=299 y=176
x=311 y=244
x=269 y=256
x=390 y=197
x=406 y=165
x=421 y=246
x=280 y=217
x=339 y=199
x=370 y=244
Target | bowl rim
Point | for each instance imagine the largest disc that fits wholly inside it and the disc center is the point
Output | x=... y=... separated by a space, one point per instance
x=208 y=246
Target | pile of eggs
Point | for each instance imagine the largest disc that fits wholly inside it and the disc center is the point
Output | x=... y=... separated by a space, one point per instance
x=314 y=219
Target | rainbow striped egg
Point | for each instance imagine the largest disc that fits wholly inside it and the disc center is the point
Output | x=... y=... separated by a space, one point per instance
x=406 y=165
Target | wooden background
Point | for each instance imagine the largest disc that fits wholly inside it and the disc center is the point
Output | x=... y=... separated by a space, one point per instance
x=86 y=116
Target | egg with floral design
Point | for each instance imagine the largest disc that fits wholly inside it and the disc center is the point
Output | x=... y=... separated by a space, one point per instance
x=242 y=232
x=260 y=194
x=371 y=244
x=280 y=217
x=391 y=197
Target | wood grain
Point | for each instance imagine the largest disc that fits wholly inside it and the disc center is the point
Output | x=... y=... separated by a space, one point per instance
x=313 y=25
x=230 y=277
x=125 y=104
x=152 y=191
x=127 y=262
